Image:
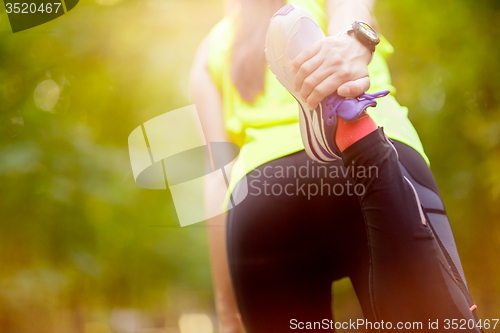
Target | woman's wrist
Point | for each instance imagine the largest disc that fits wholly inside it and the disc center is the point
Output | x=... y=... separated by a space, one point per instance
x=364 y=51
x=358 y=49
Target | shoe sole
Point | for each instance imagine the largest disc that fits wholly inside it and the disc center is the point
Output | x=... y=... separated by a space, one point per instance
x=311 y=134
x=319 y=130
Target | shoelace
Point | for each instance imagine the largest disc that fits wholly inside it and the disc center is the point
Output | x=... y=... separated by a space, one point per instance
x=350 y=109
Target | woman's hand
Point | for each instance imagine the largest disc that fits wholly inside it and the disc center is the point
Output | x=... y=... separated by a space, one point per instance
x=329 y=65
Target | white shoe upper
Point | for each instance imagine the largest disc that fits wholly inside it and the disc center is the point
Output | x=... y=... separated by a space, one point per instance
x=292 y=29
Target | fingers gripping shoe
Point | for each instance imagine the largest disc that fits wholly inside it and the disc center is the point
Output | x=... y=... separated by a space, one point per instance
x=291 y=31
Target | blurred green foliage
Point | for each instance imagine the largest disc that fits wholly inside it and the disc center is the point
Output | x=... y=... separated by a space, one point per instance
x=79 y=238
x=77 y=234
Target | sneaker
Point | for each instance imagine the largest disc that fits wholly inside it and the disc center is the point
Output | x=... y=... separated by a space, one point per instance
x=292 y=29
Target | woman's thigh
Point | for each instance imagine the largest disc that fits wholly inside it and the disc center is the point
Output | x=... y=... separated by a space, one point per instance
x=289 y=239
x=418 y=173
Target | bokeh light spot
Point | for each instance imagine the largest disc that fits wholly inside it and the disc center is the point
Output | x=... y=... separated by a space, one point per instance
x=47 y=95
x=433 y=99
x=107 y=2
x=195 y=323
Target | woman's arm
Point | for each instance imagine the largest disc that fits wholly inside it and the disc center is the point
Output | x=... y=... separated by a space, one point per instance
x=342 y=13
x=336 y=63
x=209 y=106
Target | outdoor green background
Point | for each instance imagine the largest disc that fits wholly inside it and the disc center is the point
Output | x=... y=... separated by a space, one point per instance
x=83 y=249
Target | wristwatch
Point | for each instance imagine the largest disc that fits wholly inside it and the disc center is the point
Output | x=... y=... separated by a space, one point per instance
x=363 y=32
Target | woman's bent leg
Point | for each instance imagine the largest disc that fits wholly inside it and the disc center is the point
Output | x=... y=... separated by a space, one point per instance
x=411 y=280
x=296 y=232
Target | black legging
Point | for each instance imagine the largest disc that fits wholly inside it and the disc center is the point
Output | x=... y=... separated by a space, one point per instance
x=298 y=231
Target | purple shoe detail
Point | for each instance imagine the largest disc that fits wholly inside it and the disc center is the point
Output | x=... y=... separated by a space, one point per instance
x=283 y=10
x=349 y=109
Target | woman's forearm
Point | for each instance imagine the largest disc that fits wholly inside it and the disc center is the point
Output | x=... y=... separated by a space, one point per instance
x=342 y=13
x=209 y=106
x=225 y=301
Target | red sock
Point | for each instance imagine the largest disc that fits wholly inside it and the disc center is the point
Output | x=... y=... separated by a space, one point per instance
x=349 y=132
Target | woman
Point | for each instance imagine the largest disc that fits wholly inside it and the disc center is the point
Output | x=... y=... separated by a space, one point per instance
x=287 y=241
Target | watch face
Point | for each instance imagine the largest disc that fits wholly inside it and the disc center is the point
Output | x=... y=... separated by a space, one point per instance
x=368 y=32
